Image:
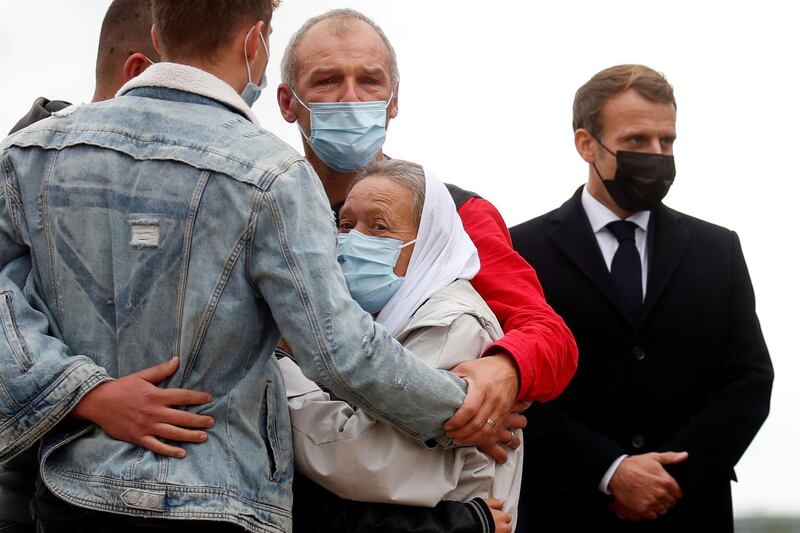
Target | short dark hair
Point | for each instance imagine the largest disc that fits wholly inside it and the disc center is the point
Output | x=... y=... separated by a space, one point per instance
x=125 y=30
x=589 y=99
x=189 y=28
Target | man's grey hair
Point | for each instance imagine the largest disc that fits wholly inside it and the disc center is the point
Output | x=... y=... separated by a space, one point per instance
x=409 y=175
x=289 y=62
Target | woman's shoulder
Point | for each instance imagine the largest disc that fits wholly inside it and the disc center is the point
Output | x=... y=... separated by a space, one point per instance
x=453 y=326
x=446 y=306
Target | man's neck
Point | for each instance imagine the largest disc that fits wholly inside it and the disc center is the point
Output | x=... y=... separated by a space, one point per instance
x=336 y=184
x=100 y=96
x=106 y=91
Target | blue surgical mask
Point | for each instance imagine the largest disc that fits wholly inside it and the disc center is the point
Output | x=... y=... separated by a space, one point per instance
x=251 y=91
x=347 y=135
x=368 y=265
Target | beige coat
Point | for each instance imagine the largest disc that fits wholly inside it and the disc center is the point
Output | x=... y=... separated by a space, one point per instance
x=360 y=458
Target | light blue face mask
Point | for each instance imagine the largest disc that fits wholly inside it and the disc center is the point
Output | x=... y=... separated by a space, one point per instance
x=251 y=91
x=347 y=135
x=368 y=265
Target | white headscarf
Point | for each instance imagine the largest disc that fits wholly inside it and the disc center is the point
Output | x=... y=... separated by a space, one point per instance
x=442 y=254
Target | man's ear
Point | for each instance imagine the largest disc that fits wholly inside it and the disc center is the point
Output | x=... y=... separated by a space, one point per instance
x=394 y=105
x=285 y=98
x=586 y=145
x=252 y=44
x=136 y=63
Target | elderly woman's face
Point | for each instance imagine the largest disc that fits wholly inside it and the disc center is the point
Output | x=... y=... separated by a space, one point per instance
x=381 y=207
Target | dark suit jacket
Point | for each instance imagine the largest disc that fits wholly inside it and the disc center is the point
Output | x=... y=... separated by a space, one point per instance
x=693 y=375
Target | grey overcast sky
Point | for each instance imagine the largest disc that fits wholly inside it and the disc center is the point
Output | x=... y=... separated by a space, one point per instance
x=485 y=101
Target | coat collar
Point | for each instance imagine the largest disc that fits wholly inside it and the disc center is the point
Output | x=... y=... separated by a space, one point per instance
x=192 y=80
x=572 y=233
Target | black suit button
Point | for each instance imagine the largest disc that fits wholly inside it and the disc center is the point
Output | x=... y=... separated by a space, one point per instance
x=638 y=353
x=638 y=441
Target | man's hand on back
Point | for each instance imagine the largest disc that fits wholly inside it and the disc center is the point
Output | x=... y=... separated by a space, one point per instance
x=134 y=409
x=641 y=489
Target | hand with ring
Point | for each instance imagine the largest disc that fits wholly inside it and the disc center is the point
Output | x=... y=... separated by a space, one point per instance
x=502 y=434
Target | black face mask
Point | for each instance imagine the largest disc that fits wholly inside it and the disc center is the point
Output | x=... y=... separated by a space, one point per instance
x=641 y=181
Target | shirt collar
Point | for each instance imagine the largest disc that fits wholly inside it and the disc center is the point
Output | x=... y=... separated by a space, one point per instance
x=192 y=80
x=599 y=215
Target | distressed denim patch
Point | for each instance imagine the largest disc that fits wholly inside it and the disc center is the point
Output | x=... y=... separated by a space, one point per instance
x=144 y=233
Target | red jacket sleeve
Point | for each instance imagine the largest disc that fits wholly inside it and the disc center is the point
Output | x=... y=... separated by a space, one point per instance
x=535 y=336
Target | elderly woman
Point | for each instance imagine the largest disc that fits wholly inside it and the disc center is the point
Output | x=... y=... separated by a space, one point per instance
x=406 y=258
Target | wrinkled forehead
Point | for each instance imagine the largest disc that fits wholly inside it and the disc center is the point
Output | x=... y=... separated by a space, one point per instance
x=377 y=187
x=341 y=39
x=379 y=196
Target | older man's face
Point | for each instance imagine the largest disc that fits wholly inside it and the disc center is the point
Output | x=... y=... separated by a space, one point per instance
x=349 y=65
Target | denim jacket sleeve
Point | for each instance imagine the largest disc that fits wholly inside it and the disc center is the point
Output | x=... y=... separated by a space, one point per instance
x=41 y=380
x=293 y=262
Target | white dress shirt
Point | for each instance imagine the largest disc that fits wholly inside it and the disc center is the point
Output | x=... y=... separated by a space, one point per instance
x=599 y=217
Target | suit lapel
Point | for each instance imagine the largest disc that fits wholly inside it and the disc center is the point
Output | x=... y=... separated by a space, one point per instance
x=668 y=245
x=572 y=233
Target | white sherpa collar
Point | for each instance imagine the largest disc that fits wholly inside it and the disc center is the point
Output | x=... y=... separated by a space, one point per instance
x=190 y=79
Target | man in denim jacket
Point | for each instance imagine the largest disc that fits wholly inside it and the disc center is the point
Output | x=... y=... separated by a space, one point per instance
x=124 y=51
x=166 y=221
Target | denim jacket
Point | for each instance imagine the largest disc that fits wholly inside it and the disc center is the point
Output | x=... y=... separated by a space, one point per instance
x=165 y=222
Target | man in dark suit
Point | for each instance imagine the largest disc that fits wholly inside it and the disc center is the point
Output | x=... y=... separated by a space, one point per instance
x=674 y=378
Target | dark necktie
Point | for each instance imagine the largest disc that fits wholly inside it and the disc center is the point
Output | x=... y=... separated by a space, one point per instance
x=626 y=268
